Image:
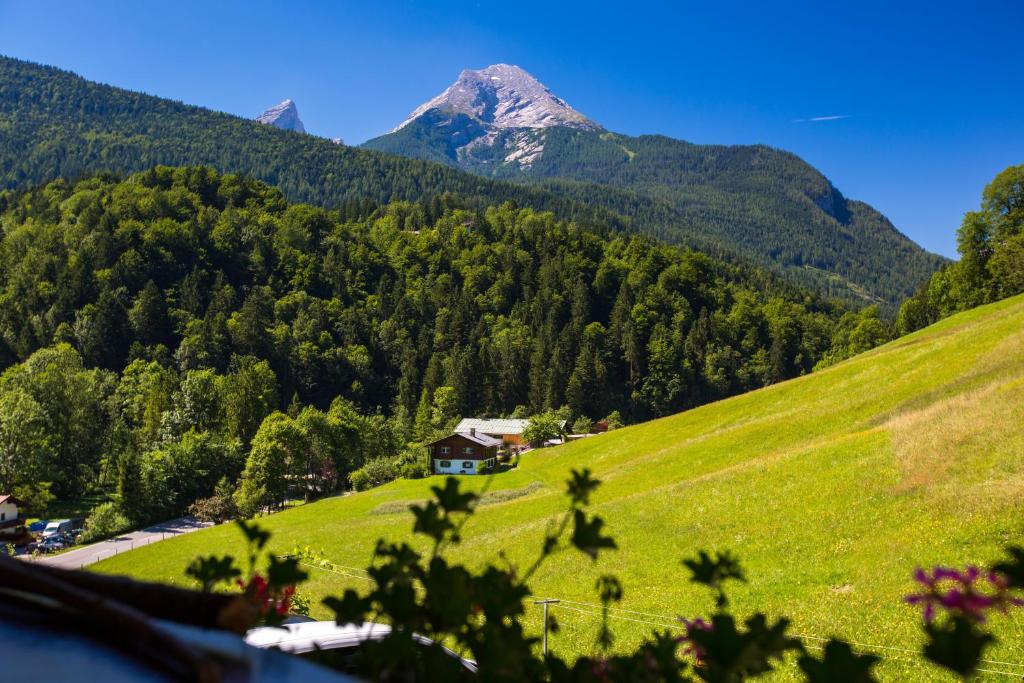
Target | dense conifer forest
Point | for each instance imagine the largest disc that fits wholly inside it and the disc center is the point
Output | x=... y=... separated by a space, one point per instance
x=180 y=328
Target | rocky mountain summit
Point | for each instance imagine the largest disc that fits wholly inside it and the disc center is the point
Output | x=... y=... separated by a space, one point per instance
x=762 y=204
x=283 y=115
x=493 y=118
x=504 y=96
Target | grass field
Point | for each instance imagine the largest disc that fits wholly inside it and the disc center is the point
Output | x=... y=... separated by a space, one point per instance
x=830 y=488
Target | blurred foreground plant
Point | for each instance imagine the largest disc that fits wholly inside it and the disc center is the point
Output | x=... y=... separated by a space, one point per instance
x=480 y=614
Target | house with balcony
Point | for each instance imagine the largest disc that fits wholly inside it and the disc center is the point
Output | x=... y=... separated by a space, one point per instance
x=469 y=452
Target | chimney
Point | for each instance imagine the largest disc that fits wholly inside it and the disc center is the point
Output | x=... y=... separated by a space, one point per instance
x=472 y=431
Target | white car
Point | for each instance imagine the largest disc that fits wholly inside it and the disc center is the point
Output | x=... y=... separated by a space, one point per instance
x=59 y=526
x=304 y=637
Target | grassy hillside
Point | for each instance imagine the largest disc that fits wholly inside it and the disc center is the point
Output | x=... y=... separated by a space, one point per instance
x=830 y=488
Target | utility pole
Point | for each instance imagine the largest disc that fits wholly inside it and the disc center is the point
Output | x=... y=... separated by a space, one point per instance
x=547 y=602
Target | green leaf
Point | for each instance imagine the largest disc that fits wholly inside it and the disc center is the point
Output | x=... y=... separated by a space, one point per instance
x=1013 y=568
x=430 y=521
x=839 y=664
x=586 y=535
x=714 y=571
x=349 y=609
x=253 y=533
x=956 y=644
x=609 y=588
x=209 y=571
x=580 y=485
x=285 y=572
x=451 y=499
x=729 y=654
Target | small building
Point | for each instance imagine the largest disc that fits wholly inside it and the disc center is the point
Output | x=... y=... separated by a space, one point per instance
x=467 y=452
x=508 y=431
x=10 y=517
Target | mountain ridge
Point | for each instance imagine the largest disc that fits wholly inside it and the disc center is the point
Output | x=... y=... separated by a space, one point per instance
x=54 y=123
x=766 y=204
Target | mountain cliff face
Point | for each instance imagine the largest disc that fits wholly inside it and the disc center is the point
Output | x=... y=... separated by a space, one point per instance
x=504 y=96
x=765 y=204
x=284 y=115
x=492 y=117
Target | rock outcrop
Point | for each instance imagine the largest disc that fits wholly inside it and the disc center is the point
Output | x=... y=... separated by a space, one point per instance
x=283 y=115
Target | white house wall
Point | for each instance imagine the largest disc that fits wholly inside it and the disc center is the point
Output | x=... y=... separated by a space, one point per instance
x=9 y=510
x=456 y=466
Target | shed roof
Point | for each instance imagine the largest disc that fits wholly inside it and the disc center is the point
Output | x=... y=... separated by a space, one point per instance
x=8 y=498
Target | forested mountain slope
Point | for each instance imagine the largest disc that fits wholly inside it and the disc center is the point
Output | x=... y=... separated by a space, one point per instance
x=766 y=204
x=183 y=300
x=56 y=124
x=830 y=489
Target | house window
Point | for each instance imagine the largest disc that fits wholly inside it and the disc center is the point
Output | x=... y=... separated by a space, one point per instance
x=446 y=463
x=468 y=464
x=3 y=516
x=445 y=450
x=468 y=450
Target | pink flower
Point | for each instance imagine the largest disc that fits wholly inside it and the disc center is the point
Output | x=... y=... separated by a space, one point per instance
x=692 y=626
x=970 y=593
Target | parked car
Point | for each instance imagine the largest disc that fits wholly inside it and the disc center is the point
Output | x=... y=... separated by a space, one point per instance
x=52 y=543
x=38 y=525
x=342 y=642
x=58 y=526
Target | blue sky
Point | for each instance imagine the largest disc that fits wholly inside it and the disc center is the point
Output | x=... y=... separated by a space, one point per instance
x=927 y=97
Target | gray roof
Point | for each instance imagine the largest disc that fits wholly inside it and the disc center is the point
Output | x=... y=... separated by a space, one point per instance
x=479 y=438
x=487 y=426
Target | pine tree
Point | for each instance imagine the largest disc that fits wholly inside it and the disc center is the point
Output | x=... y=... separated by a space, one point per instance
x=422 y=428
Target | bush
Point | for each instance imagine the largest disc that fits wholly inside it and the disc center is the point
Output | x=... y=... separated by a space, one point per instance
x=374 y=473
x=218 y=508
x=582 y=425
x=105 y=520
x=414 y=470
x=413 y=463
x=543 y=427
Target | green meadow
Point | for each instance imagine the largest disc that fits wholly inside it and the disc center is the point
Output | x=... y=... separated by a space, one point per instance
x=830 y=488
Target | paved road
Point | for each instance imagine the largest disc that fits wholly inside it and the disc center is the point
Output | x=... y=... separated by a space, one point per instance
x=94 y=552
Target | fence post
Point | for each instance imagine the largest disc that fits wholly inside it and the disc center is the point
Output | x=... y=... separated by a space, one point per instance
x=546 y=603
